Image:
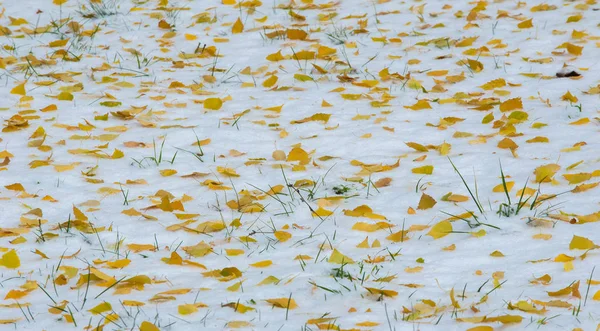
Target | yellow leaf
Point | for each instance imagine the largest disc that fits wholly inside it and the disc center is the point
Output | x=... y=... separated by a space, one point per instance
x=58 y=43
x=563 y=258
x=475 y=65
x=296 y=34
x=518 y=116
x=118 y=264
x=168 y=172
x=569 y=97
x=238 y=27
x=494 y=84
x=574 y=18
x=316 y=117
x=426 y=202
x=577 y=178
x=19 y=89
x=238 y=324
x=269 y=82
x=417 y=147
x=101 y=308
x=269 y=280
x=147 y=326
x=110 y=104
x=136 y=248
x=580 y=121
x=213 y=103
x=399 y=236
x=298 y=154
x=487 y=118
x=15 y=187
x=363 y=211
x=538 y=139
x=187 y=309
x=542 y=236
x=364 y=243
x=526 y=24
x=596 y=296
x=275 y=56
x=574 y=49
x=481 y=328
x=440 y=230
x=322 y=212
x=164 y=25
x=444 y=148
x=262 y=264
x=465 y=42
x=578 y=242
x=339 y=258
x=421 y=104
x=15 y=294
x=504 y=319
x=424 y=170
x=10 y=260
x=367 y=227
x=584 y=187
x=507 y=143
x=282 y=236
x=382 y=292
x=511 y=104
x=497 y=254
x=457 y=198
x=500 y=187
x=302 y=77
x=287 y=303
x=546 y=172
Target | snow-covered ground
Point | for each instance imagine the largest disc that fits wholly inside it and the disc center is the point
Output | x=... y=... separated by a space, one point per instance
x=299 y=165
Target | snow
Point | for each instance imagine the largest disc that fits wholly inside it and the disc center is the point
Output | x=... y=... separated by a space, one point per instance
x=158 y=62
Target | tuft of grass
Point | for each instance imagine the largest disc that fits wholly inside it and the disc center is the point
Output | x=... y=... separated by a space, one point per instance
x=474 y=196
x=157 y=158
x=507 y=209
x=338 y=36
x=99 y=9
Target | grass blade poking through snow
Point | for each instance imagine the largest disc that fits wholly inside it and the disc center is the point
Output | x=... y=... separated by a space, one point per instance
x=468 y=188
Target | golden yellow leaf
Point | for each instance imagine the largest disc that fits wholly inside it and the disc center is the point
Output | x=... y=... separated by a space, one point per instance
x=440 y=230
x=10 y=260
x=511 y=104
x=275 y=56
x=238 y=27
x=269 y=82
x=526 y=24
x=287 y=303
x=147 y=326
x=168 y=172
x=339 y=258
x=282 y=236
x=298 y=154
x=382 y=292
x=569 y=97
x=213 y=103
x=426 y=202
x=262 y=264
x=578 y=242
x=546 y=172
x=101 y=308
x=296 y=34
x=19 y=89
x=421 y=104
x=15 y=294
x=417 y=147
x=424 y=170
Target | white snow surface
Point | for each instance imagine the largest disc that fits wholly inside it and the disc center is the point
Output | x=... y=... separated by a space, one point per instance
x=164 y=87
